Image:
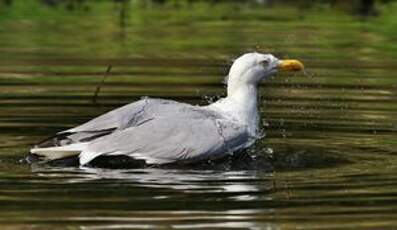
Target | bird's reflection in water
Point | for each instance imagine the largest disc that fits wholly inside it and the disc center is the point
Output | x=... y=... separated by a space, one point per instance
x=239 y=184
x=240 y=193
x=243 y=177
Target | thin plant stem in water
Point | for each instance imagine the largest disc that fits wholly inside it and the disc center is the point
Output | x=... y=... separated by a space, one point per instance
x=98 y=88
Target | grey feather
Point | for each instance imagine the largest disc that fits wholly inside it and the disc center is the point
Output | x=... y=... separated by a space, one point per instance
x=159 y=132
x=126 y=116
x=186 y=137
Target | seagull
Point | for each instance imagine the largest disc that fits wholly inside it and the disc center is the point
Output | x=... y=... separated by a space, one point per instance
x=161 y=132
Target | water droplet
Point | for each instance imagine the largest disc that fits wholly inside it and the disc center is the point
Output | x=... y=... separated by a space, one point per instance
x=269 y=152
x=283 y=133
x=308 y=74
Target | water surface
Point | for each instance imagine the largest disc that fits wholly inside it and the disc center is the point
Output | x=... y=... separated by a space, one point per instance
x=328 y=159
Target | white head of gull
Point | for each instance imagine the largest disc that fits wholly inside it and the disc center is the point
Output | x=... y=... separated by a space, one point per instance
x=242 y=86
x=158 y=131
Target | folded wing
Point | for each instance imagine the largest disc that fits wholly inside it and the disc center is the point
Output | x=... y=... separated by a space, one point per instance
x=181 y=138
x=127 y=116
x=157 y=131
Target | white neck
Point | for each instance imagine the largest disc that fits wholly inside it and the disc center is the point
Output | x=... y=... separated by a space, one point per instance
x=241 y=104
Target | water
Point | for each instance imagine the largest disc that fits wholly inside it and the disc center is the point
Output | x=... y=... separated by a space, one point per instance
x=328 y=159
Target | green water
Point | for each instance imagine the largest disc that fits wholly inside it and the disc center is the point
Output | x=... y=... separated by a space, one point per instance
x=329 y=158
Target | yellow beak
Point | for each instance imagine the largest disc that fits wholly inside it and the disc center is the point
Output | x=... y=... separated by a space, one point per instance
x=290 y=65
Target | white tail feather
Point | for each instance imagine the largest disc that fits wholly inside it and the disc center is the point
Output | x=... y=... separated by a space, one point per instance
x=85 y=157
x=54 y=153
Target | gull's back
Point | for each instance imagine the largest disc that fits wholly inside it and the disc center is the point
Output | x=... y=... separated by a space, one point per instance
x=154 y=130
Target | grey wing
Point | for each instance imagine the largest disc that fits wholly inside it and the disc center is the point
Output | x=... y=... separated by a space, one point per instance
x=170 y=139
x=127 y=116
x=122 y=117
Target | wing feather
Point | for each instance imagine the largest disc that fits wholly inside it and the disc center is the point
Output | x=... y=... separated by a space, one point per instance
x=170 y=139
x=157 y=131
x=130 y=115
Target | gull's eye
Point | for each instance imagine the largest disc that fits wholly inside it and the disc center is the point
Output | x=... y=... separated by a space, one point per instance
x=264 y=63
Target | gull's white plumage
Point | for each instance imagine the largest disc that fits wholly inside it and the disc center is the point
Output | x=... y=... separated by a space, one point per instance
x=242 y=92
x=163 y=131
